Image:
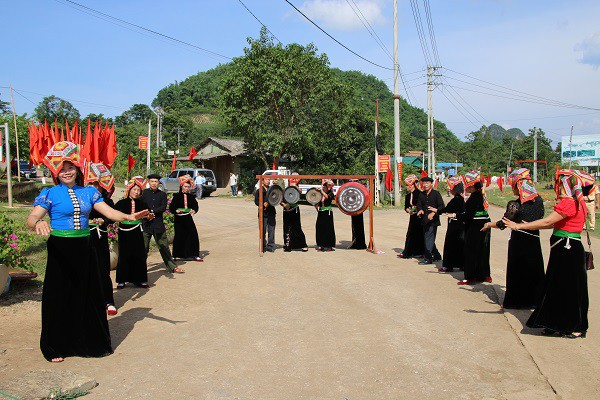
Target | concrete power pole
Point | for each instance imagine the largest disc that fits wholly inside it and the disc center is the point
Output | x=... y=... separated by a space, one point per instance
x=571 y=147
x=8 y=171
x=12 y=100
x=431 y=84
x=148 y=149
x=376 y=153
x=535 y=137
x=397 y=157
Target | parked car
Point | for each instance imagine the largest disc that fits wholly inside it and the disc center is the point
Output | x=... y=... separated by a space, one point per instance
x=170 y=183
x=26 y=170
x=281 y=171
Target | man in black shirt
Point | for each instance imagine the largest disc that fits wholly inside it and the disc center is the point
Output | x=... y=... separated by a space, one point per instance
x=430 y=200
x=269 y=213
x=157 y=203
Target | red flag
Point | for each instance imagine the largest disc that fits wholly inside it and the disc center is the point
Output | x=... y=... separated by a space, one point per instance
x=111 y=147
x=423 y=174
x=69 y=136
x=95 y=156
x=192 y=154
x=86 y=153
x=130 y=163
x=435 y=183
x=62 y=134
x=389 y=180
x=500 y=182
x=488 y=180
x=174 y=165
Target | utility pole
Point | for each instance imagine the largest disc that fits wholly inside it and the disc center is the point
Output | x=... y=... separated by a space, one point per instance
x=159 y=114
x=178 y=139
x=535 y=137
x=571 y=147
x=397 y=157
x=431 y=85
x=377 y=153
x=510 y=157
x=8 y=171
x=12 y=100
x=148 y=149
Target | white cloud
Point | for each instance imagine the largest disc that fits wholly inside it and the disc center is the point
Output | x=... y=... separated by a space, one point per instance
x=338 y=14
x=590 y=50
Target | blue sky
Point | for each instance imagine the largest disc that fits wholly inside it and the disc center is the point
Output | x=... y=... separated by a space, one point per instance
x=550 y=49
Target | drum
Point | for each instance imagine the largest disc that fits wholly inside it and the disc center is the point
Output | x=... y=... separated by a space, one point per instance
x=291 y=194
x=352 y=198
x=314 y=196
x=275 y=195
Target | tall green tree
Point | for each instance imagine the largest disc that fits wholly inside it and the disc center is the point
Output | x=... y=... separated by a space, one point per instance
x=284 y=100
x=52 y=107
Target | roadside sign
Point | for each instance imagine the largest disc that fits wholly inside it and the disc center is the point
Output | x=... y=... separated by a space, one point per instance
x=384 y=162
x=143 y=142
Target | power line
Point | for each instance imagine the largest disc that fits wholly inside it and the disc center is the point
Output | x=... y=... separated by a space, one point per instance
x=99 y=13
x=368 y=27
x=431 y=31
x=259 y=21
x=419 y=25
x=539 y=98
x=335 y=40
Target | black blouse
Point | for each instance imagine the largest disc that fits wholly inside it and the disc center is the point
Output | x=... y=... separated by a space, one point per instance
x=454 y=206
x=473 y=205
x=531 y=210
x=177 y=202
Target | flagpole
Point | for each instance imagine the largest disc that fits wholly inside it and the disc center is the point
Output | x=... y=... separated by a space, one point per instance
x=12 y=100
x=148 y=149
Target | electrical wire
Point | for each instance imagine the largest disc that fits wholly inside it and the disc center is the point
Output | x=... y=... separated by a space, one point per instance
x=431 y=32
x=100 y=14
x=369 y=28
x=419 y=25
x=259 y=21
x=335 y=40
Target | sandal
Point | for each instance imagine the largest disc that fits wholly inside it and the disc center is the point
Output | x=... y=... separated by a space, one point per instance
x=120 y=285
x=111 y=309
x=199 y=259
x=178 y=270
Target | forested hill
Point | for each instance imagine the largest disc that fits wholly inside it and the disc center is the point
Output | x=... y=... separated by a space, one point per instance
x=498 y=132
x=197 y=99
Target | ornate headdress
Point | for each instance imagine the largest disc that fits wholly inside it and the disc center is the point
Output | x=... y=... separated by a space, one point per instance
x=521 y=179
x=185 y=178
x=471 y=178
x=58 y=154
x=98 y=172
x=411 y=179
x=455 y=182
x=139 y=181
x=569 y=183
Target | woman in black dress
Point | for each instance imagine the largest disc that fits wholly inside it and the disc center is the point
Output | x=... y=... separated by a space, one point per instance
x=100 y=177
x=73 y=305
x=525 y=264
x=563 y=306
x=131 y=266
x=414 y=245
x=477 y=241
x=186 y=244
x=324 y=227
x=454 y=243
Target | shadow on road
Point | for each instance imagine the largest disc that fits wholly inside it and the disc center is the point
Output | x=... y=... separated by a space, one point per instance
x=123 y=324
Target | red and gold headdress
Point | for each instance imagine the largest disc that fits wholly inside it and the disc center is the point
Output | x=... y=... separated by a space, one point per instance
x=471 y=178
x=411 y=179
x=98 y=172
x=521 y=179
x=139 y=181
x=59 y=153
x=185 y=178
x=569 y=184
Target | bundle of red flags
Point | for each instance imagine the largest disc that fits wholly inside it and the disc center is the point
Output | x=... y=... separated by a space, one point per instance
x=99 y=146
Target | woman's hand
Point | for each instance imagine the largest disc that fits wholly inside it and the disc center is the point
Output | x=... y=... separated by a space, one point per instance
x=432 y=209
x=485 y=227
x=99 y=221
x=42 y=228
x=178 y=211
x=141 y=214
x=192 y=212
x=510 y=224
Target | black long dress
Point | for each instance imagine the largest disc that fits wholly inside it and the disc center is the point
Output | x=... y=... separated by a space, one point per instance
x=414 y=246
x=99 y=238
x=324 y=227
x=293 y=236
x=358 y=233
x=563 y=305
x=454 y=243
x=477 y=243
x=185 y=243
x=525 y=264
x=72 y=280
x=131 y=266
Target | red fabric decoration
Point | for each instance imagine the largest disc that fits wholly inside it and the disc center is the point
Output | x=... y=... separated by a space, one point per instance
x=192 y=154
x=174 y=165
x=424 y=174
x=500 y=183
x=389 y=180
x=130 y=163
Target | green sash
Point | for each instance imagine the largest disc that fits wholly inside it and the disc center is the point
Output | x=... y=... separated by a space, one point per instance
x=136 y=222
x=325 y=208
x=70 y=232
x=565 y=234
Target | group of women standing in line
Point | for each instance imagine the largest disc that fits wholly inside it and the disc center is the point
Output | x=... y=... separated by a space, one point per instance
x=77 y=275
x=558 y=296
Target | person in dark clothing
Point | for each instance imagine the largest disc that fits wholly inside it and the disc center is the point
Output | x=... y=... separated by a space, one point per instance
x=186 y=244
x=325 y=230
x=454 y=244
x=269 y=213
x=358 y=232
x=414 y=246
x=157 y=204
x=477 y=241
x=525 y=263
x=430 y=200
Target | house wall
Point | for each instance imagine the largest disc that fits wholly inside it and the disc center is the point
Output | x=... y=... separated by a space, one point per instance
x=221 y=166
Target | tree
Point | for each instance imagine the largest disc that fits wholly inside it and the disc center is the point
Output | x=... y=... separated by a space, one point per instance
x=52 y=107
x=283 y=100
x=136 y=113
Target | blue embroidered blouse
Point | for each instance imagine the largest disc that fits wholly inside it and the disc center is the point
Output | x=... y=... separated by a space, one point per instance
x=68 y=209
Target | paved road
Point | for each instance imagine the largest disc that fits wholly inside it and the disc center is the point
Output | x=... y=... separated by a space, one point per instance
x=341 y=325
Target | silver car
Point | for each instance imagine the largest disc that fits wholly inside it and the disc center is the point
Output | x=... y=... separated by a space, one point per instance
x=170 y=183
